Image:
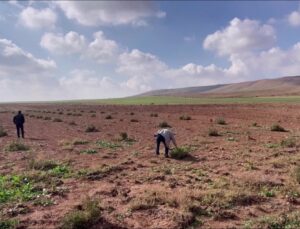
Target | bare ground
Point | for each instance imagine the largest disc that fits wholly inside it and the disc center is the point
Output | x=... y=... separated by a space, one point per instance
x=242 y=178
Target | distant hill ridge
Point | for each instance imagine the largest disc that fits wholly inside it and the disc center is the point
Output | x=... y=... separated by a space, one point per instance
x=289 y=85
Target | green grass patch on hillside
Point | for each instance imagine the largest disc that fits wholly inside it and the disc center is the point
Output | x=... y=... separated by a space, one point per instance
x=161 y=100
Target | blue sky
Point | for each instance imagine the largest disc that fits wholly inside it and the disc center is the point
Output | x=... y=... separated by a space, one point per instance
x=81 y=49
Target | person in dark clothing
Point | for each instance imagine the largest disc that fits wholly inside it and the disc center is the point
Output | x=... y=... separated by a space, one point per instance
x=19 y=121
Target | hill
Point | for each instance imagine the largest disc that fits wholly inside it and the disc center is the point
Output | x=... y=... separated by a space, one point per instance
x=267 y=87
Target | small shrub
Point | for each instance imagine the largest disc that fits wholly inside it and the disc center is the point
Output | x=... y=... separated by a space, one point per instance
x=108 y=117
x=57 y=120
x=72 y=123
x=88 y=215
x=278 y=128
x=124 y=136
x=297 y=174
x=180 y=152
x=289 y=142
x=153 y=115
x=164 y=125
x=221 y=121
x=131 y=113
x=80 y=142
x=91 y=128
x=2 y=132
x=134 y=120
x=213 y=132
x=89 y=151
x=42 y=165
x=17 y=146
x=255 y=124
x=93 y=115
x=47 y=118
x=185 y=117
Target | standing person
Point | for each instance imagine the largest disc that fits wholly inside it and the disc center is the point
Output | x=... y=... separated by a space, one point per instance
x=19 y=121
x=165 y=136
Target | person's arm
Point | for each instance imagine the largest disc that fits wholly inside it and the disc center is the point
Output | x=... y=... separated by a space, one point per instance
x=14 y=120
x=23 y=119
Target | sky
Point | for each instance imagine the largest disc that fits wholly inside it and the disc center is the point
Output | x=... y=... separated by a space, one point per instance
x=61 y=50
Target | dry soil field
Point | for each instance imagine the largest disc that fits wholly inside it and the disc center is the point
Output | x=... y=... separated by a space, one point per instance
x=247 y=177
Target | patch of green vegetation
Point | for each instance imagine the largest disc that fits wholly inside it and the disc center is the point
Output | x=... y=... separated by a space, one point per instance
x=164 y=125
x=272 y=145
x=8 y=223
x=153 y=115
x=284 y=221
x=43 y=201
x=163 y=100
x=86 y=217
x=89 y=151
x=109 y=145
x=16 y=188
x=278 y=128
x=267 y=192
x=60 y=171
x=16 y=146
x=180 y=152
x=134 y=120
x=3 y=133
x=47 y=118
x=52 y=168
x=288 y=142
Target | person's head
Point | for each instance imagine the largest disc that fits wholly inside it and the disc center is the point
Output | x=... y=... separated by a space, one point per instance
x=19 y=112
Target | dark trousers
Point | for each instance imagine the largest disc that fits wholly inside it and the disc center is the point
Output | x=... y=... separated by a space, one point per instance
x=160 y=139
x=20 y=127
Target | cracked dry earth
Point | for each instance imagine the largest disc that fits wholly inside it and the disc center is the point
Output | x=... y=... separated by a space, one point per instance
x=247 y=177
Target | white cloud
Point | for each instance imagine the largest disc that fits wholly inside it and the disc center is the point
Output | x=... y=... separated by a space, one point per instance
x=69 y=43
x=294 y=18
x=36 y=18
x=15 y=3
x=101 y=49
x=138 y=63
x=15 y=62
x=241 y=36
x=87 y=84
x=95 y=13
x=23 y=76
